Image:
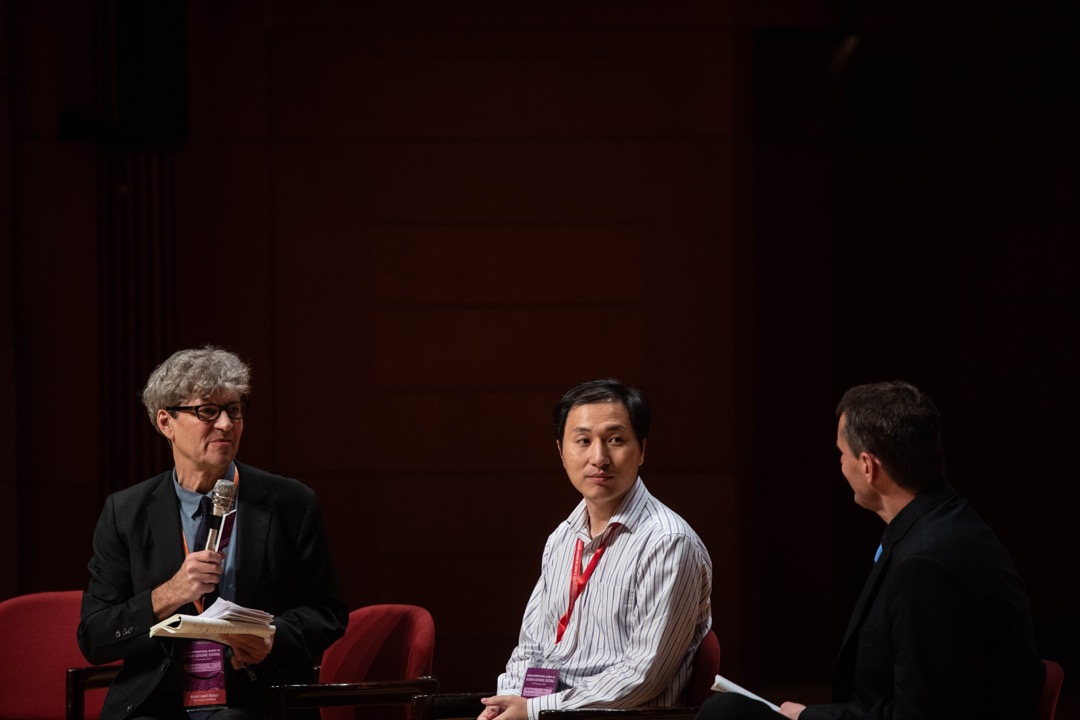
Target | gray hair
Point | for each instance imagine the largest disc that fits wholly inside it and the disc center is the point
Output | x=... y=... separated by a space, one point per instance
x=198 y=372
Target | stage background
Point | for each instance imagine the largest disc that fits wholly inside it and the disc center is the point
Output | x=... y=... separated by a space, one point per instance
x=421 y=222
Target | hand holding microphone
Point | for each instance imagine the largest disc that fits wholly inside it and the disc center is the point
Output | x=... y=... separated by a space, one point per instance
x=199 y=574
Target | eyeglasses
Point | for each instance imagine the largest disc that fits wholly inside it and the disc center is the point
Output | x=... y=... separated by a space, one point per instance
x=209 y=412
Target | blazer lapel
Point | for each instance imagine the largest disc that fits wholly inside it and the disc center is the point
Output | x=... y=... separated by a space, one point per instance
x=254 y=535
x=165 y=532
x=894 y=535
x=872 y=582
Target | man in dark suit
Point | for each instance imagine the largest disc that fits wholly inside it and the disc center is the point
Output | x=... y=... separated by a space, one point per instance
x=148 y=563
x=942 y=628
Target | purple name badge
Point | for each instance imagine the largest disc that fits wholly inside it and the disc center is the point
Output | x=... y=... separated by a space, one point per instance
x=204 y=676
x=539 y=681
x=225 y=536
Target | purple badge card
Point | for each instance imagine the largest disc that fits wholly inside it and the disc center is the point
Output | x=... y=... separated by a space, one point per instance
x=225 y=537
x=204 y=680
x=540 y=681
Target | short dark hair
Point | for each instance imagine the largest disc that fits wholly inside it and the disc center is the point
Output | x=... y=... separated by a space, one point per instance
x=604 y=391
x=900 y=425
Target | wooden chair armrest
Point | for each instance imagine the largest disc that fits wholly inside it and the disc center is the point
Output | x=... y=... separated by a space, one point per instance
x=467 y=705
x=449 y=705
x=667 y=713
x=283 y=698
x=81 y=679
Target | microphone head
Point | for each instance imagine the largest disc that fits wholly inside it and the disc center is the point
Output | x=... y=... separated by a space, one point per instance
x=223 y=496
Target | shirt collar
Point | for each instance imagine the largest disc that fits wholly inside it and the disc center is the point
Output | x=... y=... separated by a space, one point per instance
x=629 y=513
x=189 y=499
x=923 y=503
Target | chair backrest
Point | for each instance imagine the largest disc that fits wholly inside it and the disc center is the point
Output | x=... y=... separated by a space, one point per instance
x=706 y=667
x=381 y=642
x=37 y=645
x=1051 y=689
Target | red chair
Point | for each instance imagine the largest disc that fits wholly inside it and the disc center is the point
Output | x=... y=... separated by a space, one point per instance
x=37 y=645
x=1051 y=689
x=706 y=668
x=384 y=659
x=382 y=642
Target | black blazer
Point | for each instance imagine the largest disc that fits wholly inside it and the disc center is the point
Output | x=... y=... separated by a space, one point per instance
x=942 y=628
x=283 y=567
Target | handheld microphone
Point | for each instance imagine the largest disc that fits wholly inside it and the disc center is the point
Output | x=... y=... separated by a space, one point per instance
x=223 y=496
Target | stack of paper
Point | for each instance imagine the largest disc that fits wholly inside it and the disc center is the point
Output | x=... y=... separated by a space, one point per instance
x=221 y=618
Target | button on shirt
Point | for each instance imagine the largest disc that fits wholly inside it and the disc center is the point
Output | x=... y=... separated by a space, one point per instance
x=636 y=626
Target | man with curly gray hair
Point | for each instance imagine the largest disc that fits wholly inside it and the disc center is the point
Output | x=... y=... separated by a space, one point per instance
x=148 y=563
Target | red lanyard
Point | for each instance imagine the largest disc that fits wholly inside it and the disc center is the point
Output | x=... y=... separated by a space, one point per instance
x=578 y=581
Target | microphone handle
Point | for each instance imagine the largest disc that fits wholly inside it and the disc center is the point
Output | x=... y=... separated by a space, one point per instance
x=213 y=523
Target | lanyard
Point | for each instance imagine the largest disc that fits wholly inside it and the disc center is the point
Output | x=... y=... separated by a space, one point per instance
x=578 y=581
x=183 y=535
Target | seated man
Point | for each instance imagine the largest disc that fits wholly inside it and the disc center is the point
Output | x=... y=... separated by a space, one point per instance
x=150 y=562
x=639 y=578
x=942 y=628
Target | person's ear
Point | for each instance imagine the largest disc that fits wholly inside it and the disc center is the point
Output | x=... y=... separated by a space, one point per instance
x=558 y=448
x=871 y=468
x=641 y=458
x=165 y=423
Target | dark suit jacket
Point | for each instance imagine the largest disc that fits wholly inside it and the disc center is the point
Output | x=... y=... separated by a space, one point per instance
x=282 y=564
x=942 y=628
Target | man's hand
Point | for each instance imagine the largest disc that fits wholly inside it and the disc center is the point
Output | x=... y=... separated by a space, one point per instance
x=199 y=574
x=791 y=710
x=504 y=707
x=248 y=649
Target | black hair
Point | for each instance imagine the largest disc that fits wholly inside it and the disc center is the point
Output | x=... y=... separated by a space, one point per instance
x=604 y=391
x=900 y=425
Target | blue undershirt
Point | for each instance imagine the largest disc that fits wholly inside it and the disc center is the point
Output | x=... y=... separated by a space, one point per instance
x=189 y=507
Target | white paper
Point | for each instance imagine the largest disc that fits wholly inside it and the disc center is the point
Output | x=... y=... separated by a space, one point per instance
x=225 y=610
x=221 y=617
x=722 y=684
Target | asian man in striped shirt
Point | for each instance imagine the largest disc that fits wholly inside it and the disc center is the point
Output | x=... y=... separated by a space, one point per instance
x=639 y=578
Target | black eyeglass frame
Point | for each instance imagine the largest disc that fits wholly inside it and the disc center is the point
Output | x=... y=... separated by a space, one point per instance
x=194 y=410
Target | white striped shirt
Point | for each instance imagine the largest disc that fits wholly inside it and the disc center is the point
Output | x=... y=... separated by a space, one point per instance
x=637 y=624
